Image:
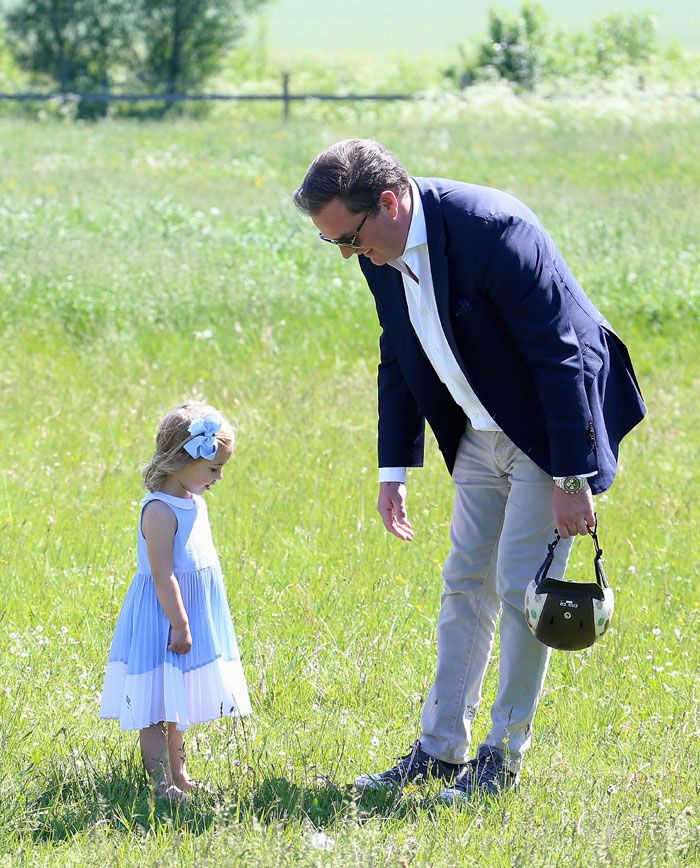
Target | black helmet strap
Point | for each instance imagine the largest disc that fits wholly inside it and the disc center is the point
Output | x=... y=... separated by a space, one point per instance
x=600 y=576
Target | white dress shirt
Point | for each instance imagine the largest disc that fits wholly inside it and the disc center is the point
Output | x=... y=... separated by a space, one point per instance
x=423 y=312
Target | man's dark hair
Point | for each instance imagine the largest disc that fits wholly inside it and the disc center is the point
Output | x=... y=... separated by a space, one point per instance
x=356 y=171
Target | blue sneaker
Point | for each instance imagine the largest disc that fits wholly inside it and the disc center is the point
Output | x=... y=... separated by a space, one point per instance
x=416 y=766
x=484 y=775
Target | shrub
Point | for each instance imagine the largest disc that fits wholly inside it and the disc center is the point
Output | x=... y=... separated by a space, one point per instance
x=624 y=40
x=525 y=48
x=515 y=49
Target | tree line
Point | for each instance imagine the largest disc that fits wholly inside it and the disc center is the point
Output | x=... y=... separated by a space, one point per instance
x=176 y=46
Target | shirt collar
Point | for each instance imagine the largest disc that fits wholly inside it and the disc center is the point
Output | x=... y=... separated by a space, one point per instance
x=417 y=231
x=178 y=502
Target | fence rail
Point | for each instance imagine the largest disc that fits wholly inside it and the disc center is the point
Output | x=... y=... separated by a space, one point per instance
x=285 y=97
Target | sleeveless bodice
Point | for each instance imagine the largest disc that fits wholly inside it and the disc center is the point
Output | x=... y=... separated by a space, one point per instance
x=193 y=547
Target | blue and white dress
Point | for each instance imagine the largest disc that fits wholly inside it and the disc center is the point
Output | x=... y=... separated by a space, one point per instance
x=145 y=683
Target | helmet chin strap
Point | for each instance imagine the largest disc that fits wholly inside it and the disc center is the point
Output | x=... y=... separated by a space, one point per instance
x=600 y=575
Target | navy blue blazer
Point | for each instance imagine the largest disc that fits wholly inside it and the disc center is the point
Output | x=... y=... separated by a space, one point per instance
x=543 y=361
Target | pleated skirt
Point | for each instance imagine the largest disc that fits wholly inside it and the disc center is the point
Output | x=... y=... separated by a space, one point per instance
x=146 y=684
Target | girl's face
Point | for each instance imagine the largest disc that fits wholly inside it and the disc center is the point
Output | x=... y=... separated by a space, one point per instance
x=199 y=476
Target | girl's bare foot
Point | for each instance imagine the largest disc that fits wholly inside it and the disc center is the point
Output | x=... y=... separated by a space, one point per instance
x=186 y=784
x=171 y=793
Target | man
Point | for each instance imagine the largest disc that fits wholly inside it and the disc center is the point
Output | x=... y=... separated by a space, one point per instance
x=488 y=336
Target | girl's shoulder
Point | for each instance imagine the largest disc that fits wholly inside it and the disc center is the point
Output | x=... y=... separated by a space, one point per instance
x=161 y=513
x=158 y=521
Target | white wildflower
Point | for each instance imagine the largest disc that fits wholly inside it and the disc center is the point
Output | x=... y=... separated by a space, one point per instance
x=321 y=841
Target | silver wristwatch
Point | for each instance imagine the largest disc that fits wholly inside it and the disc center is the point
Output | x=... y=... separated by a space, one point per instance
x=572 y=484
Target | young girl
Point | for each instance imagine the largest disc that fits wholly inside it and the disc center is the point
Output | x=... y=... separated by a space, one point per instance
x=174 y=659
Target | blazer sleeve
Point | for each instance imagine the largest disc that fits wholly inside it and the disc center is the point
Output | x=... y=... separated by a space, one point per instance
x=520 y=279
x=401 y=427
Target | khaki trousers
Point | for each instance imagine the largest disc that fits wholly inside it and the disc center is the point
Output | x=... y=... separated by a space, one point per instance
x=501 y=524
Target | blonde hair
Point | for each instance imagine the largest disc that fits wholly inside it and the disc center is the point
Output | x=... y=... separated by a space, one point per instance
x=170 y=456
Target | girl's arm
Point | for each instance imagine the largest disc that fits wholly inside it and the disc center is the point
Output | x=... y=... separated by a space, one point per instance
x=159 y=524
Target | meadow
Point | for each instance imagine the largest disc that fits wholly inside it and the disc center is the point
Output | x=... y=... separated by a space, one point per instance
x=141 y=263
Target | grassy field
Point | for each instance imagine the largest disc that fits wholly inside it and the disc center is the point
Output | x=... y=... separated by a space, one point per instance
x=141 y=263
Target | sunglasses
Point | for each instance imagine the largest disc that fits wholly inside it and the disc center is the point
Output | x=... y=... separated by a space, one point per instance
x=350 y=241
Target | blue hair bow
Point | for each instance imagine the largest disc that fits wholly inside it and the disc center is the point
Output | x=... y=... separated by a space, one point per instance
x=203 y=442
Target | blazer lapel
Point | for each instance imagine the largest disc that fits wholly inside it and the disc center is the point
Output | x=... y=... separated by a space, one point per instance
x=438 y=260
x=387 y=285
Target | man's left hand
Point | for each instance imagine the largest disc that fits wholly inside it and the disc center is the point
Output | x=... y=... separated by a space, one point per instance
x=392 y=508
x=573 y=513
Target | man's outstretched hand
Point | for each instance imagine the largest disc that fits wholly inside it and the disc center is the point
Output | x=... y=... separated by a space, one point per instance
x=392 y=508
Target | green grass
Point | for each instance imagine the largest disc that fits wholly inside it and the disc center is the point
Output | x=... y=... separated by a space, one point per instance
x=143 y=263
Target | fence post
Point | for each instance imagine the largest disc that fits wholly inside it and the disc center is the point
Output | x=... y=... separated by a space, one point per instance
x=285 y=95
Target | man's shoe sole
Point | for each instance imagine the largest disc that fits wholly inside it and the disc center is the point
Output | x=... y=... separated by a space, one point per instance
x=453 y=796
x=367 y=783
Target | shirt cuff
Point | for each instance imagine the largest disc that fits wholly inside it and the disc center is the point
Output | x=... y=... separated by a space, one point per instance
x=580 y=475
x=392 y=474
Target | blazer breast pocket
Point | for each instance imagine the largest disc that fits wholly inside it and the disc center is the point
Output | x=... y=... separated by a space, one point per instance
x=463 y=307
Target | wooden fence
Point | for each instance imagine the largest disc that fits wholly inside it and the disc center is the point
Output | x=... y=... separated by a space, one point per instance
x=285 y=97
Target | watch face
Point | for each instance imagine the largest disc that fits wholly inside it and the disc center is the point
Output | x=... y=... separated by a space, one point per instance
x=572 y=484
